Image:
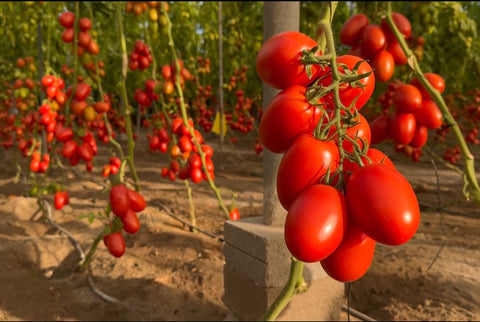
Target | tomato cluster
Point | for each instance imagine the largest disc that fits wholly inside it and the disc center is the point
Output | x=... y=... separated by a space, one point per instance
x=414 y=114
x=125 y=203
x=85 y=42
x=337 y=209
x=140 y=57
x=376 y=42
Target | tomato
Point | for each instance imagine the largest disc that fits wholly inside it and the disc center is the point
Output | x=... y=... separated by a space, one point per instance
x=278 y=61
x=115 y=244
x=196 y=175
x=34 y=165
x=84 y=39
x=379 y=129
x=401 y=22
x=85 y=152
x=316 y=223
x=372 y=156
x=131 y=223
x=136 y=201
x=64 y=134
x=352 y=258
x=420 y=137
x=82 y=91
x=348 y=94
x=101 y=107
x=402 y=127
x=68 y=35
x=360 y=132
x=383 y=65
x=67 y=19
x=119 y=200
x=383 y=204
x=352 y=30
x=69 y=148
x=166 y=72
x=304 y=164
x=435 y=80
x=373 y=40
x=429 y=115
x=399 y=56
x=234 y=214
x=288 y=115
x=84 y=24
x=185 y=144
x=60 y=199
x=407 y=98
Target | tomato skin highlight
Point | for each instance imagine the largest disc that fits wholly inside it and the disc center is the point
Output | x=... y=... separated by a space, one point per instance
x=383 y=204
x=352 y=258
x=303 y=165
x=316 y=223
x=288 y=115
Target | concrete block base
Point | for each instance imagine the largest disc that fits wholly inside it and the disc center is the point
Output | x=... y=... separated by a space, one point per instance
x=257 y=266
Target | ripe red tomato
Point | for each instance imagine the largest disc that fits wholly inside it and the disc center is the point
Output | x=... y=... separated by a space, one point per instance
x=379 y=128
x=401 y=22
x=69 y=149
x=288 y=115
x=64 y=134
x=196 y=175
x=85 y=152
x=348 y=94
x=60 y=199
x=115 y=244
x=67 y=19
x=304 y=164
x=131 y=223
x=84 y=24
x=402 y=127
x=372 y=156
x=68 y=35
x=82 y=91
x=373 y=40
x=435 y=80
x=352 y=30
x=383 y=65
x=352 y=258
x=136 y=200
x=278 y=60
x=316 y=223
x=383 y=204
x=419 y=138
x=429 y=115
x=119 y=200
x=234 y=214
x=407 y=98
x=399 y=56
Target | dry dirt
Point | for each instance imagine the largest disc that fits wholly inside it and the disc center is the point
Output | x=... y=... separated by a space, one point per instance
x=170 y=273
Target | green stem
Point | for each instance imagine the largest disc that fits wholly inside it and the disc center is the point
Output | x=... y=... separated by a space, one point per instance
x=126 y=106
x=295 y=284
x=88 y=258
x=470 y=180
x=192 y=206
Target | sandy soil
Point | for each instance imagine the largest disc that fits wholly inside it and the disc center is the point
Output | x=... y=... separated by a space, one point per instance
x=170 y=273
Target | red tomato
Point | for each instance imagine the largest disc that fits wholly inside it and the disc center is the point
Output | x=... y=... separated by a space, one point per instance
x=373 y=40
x=352 y=258
x=278 y=60
x=84 y=24
x=402 y=127
x=136 y=200
x=383 y=204
x=429 y=115
x=435 y=80
x=85 y=152
x=69 y=149
x=346 y=91
x=352 y=30
x=60 y=199
x=68 y=35
x=115 y=244
x=185 y=144
x=196 y=175
x=131 y=223
x=288 y=115
x=401 y=22
x=64 y=134
x=66 y=19
x=383 y=65
x=119 y=200
x=82 y=91
x=372 y=156
x=304 y=164
x=234 y=214
x=419 y=138
x=34 y=165
x=379 y=128
x=316 y=223
x=407 y=98
x=399 y=56
x=360 y=132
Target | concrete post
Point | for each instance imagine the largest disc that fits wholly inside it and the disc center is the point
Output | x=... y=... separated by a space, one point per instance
x=257 y=261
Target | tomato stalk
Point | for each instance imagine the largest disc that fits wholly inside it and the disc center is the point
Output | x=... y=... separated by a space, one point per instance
x=295 y=284
x=471 y=186
x=126 y=106
x=183 y=110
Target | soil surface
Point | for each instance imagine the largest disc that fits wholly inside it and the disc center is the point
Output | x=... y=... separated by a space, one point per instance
x=171 y=273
